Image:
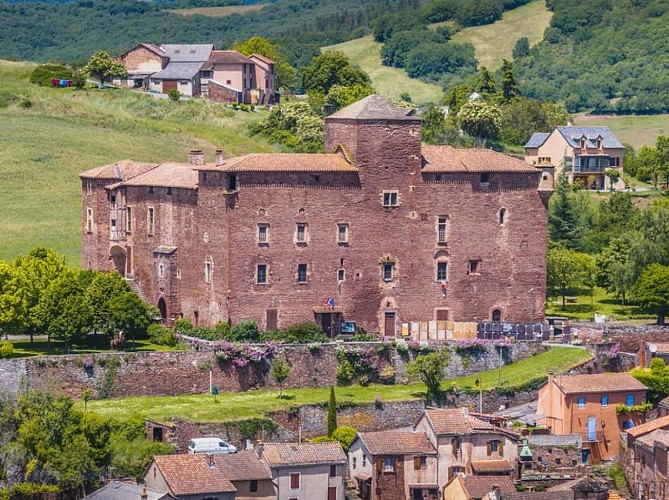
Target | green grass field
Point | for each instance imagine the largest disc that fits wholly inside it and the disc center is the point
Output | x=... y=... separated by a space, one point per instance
x=48 y=136
x=40 y=347
x=237 y=406
x=637 y=130
x=495 y=42
x=601 y=302
x=218 y=11
x=387 y=81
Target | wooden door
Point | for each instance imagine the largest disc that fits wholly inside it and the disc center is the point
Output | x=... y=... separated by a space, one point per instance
x=169 y=85
x=389 y=327
x=332 y=493
x=272 y=320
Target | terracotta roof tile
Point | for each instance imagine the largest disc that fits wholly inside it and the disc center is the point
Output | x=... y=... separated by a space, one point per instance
x=454 y=421
x=448 y=159
x=599 y=382
x=228 y=57
x=479 y=486
x=127 y=169
x=664 y=403
x=266 y=60
x=649 y=426
x=284 y=162
x=492 y=466
x=178 y=175
x=291 y=454
x=191 y=475
x=396 y=443
x=242 y=466
x=658 y=435
x=537 y=495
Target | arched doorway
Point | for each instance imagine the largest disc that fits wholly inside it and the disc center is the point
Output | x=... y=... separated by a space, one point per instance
x=162 y=309
x=118 y=256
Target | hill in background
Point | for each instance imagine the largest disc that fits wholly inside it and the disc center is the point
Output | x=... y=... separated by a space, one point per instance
x=48 y=136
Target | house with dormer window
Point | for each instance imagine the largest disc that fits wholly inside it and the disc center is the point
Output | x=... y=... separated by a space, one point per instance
x=584 y=153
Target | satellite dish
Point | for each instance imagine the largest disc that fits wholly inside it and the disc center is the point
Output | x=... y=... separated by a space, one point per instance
x=652 y=348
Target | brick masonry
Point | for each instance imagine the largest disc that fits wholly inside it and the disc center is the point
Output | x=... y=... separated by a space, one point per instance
x=220 y=93
x=208 y=224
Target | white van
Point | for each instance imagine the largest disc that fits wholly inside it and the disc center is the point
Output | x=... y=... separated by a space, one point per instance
x=210 y=445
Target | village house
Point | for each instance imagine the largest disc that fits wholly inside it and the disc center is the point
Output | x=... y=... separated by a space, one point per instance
x=197 y=69
x=125 y=490
x=465 y=487
x=469 y=444
x=380 y=230
x=584 y=153
x=587 y=405
x=394 y=465
x=306 y=470
x=644 y=456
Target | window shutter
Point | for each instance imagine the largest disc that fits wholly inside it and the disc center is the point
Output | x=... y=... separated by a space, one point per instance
x=416 y=463
x=500 y=448
x=379 y=465
x=454 y=446
x=489 y=446
x=450 y=473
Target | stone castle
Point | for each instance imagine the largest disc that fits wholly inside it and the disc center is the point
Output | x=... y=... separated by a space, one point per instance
x=380 y=230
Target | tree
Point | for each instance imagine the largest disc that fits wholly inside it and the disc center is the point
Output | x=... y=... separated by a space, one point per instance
x=485 y=82
x=12 y=307
x=339 y=97
x=174 y=95
x=332 y=412
x=651 y=291
x=103 y=67
x=131 y=315
x=332 y=68
x=521 y=48
x=99 y=294
x=563 y=222
x=434 y=124
x=615 y=269
x=614 y=175
x=285 y=75
x=429 y=368
x=569 y=269
x=345 y=435
x=509 y=81
x=481 y=120
x=281 y=372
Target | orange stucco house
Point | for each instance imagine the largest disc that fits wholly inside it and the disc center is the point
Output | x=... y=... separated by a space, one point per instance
x=586 y=405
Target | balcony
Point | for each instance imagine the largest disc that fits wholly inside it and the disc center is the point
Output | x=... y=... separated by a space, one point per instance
x=591 y=164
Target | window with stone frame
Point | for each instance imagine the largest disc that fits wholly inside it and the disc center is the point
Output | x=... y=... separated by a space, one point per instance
x=388 y=464
x=300 y=232
x=128 y=219
x=151 y=221
x=89 y=188
x=294 y=480
x=474 y=266
x=261 y=274
x=208 y=270
x=442 y=229
x=342 y=233
x=341 y=274
x=302 y=273
x=442 y=271
x=485 y=179
x=263 y=234
x=388 y=270
x=89 y=220
x=390 y=199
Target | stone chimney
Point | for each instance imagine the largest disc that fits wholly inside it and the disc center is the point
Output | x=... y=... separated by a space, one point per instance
x=196 y=157
x=496 y=492
x=219 y=157
x=465 y=411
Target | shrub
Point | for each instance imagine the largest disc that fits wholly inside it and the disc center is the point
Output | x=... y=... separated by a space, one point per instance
x=344 y=435
x=307 y=332
x=182 y=325
x=322 y=439
x=43 y=74
x=6 y=350
x=174 y=95
x=246 y=331
x=161 y=335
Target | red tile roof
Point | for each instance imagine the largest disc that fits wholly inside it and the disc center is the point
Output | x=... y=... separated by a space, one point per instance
x=659 y=435
x=191 y=475
x=599 y=382
x=242 y=466
x=492 y=466
x=178 y=175
x=478 y=486
x=396 y=443
x=262 y=58
x=448 y=159
x=650 y=426
x=294 y=454
x=126 y=168
x=284 y=162
x=455 y=421
x=228 y=57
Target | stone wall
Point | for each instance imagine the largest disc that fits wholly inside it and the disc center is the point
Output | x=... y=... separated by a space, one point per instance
x=12 y=376
x=187 y=372
x=629 y=336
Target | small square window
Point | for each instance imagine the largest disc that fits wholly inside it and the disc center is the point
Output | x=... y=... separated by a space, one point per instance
x=581 y=402
x=605 y=400
x=474 y=267
x=294 y=481
x=342 y=233
x=388 y=464
x=169 y=191
x=333 y=471
x=442 y=271
x=253 y=486
x=263 y=233
x=112 y=199
x=151 y=190
x=341 y=274
x=261 y=276
x=301 y=273
x=300 y=233
x=390 y=198
x=630 y=400
x=388 y=271
x=485 y=179
x=113 y=223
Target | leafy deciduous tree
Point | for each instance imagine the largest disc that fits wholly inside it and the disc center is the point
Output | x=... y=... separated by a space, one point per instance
x=481 y=120
x=430 y=369
x=651 y=291
x=103 y=67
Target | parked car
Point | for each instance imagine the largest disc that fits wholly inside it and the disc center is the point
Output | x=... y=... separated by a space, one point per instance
x=210 y=445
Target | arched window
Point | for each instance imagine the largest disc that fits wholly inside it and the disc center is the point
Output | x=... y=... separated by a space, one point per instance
x=497 y=315
x=502 y=216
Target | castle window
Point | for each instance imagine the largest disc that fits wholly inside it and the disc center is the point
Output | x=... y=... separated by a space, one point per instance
x=89 y=188
x=390 y=198
x=89 y=220
x=388 y=271
x=442 y=271
x=161 y=270
x=341 y=274
x=232 y=182
x=485 y=179
x=300 y=233
x=502 y=216
x=261 y=276
x=442 y=229
x=113 y=223
x=208 y=271
x=150 y=222
x=497 y=315
x=151 y=190
x=112 y=199
x=263 y=234
x=342 y=233
x=474 y=267
x=301 y=273
x=128 y=219
x=169 y=191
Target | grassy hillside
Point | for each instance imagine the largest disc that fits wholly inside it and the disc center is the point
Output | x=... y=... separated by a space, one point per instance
x=49 y=135
x=637 y=130
x=390 y=82
x=218 y=11
x=495 y=42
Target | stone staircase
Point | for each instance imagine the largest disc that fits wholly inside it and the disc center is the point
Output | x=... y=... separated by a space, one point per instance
x=134 y=286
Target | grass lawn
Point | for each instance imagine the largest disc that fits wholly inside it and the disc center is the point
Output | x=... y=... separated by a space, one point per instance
x=387 y=81
x=637 y=130
x=601 y=303
x=218 y=11
x=48 y=136
x=40 y=347
x=495 y=42
x=236 y=406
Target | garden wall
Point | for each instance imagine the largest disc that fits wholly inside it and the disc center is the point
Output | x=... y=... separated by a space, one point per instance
x=187 y=372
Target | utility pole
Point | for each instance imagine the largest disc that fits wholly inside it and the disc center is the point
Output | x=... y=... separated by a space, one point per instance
x=499 y=376
x=479 y=384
